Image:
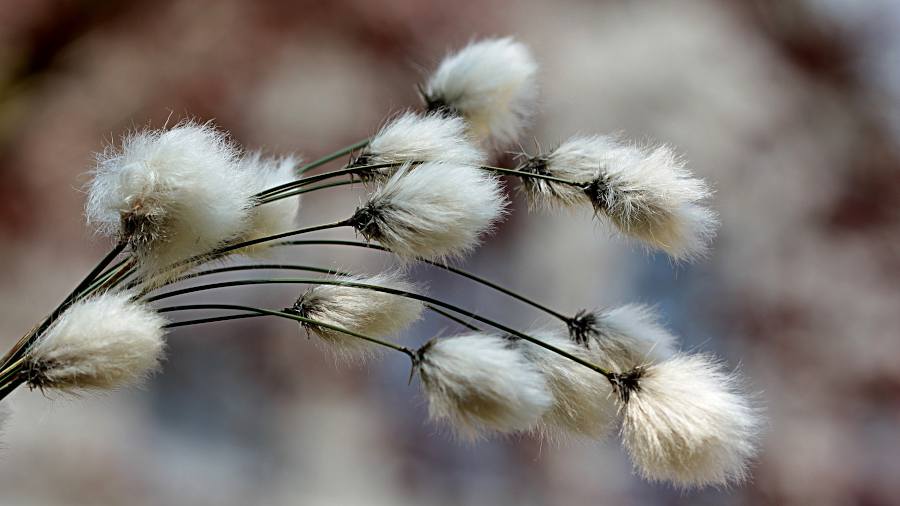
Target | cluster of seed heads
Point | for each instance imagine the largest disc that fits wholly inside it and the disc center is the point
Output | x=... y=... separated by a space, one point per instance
x=177 y=199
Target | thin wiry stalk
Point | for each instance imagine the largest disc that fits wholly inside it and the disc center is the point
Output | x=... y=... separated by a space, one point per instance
x=283 y=191
x=403 y=293
x=306 y=181
x=301 y=191
x=268 y=312
x=218 y=253
x=449 y=268
x=11 y=370
x=333 y=156
x=212 y=319
x=21 y=346
x=294 y=267
x=456 y=319
x=113 y=276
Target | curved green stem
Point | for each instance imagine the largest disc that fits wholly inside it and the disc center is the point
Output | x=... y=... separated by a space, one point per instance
x=294 y=267
x=212 y=319
x=244 y=244
x=284 y=191
x=22 y=345
x=282 y=314
x=454 y=270
x=306 y=181
x=333 y=156
x=402 y=293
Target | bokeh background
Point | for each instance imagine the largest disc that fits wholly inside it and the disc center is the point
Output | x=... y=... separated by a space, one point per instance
x=790 y=109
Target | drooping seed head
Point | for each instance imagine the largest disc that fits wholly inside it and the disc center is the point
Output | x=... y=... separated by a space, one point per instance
x=491 y=83
x=102 y=343
x=687 y=422
x=647 y=193
x=481 y=383
x=623 y=337
x=412 y=137
x=361 y=310
x=583 y=399
x=434 y=210
x=171 y=194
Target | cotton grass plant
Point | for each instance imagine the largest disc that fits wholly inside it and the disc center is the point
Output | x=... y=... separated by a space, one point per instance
x=181 y=203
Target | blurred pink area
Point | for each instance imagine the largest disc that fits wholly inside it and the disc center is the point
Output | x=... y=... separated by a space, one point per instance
x=790 y=109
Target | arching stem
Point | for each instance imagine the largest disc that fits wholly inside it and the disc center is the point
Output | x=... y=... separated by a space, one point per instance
x=282 y=314
x=403 y=293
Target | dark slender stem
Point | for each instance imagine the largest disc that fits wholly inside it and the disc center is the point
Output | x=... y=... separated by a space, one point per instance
x=454 y=270
x=293 y=267
x=306 y=181
x=295 y=317
x=456 y=319
x=282 y=191
x=244 y=244
x=259 y=267
x=111 y=277
x=519 y=173
x=275 y=237
x=212 y=319
x=10 y=386
x=302 y=190
x=19 y=349
x=97 y=270
x=333 y=156
x=394 y=291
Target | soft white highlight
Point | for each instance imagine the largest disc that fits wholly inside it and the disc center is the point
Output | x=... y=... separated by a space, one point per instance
x=688 y=423
x=361 y=310
x=647 y=193
x=274 y=217
x=172 y=194
x=434 y=210
x=629 y=336
x=422 y=138
x=492 y=84
x=104 y=342
x=482 y=383
x=583 y=403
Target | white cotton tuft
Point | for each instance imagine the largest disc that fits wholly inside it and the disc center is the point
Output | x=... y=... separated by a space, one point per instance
x=583 y=405
x=624 y=337
x=361 y=310
x=434 y=210
x=104 y=342
x=172 y=194
x=421 y=138
x=274 y=217
x=647 y=193
x=482 y=383
x=492 y=84
x=686 y=422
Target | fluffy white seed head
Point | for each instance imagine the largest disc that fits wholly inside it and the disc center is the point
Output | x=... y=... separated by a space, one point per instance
x=583 y=405
x=491 y=83
x=687 y=422
x=647 y=193
x=482 y=383
x=100 y=343
x=172 y=194
x=421 y=138
x=434 y=210
x=624 y=337
x=364 y=311
x=273 y=217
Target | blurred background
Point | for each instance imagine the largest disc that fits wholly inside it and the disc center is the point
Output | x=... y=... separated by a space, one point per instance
x=790 y=109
